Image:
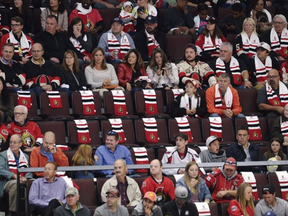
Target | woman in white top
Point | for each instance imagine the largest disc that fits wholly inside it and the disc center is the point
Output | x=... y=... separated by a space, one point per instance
x=261 y=16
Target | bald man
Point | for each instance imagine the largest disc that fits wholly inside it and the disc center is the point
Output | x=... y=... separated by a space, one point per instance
x=47 y=152
x=273 y=96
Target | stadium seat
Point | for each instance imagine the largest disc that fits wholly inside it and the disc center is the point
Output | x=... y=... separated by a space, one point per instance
x=87 y=193
x=100 y=183
x=70 y=155
x=128 y=129
x=78 y=108
x=224 y=207
x=150 y=153
x=57 y=127
x=260 y=182
x=108 y=15
x=248 y=98
x=109 y=106
x=223 y=11
x=272 y=179
x=162 y=134
x=177 y=52
x=94 y=132
x=37 y=19
x=213 y=209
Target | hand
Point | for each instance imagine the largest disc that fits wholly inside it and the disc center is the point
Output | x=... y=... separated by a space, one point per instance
x=278 y=158
x=180 y=171
x=52 y=149
x=207 y=200
x=55 y=60
x=167 y=88
x=30 y=35
x=105 y=82
x=49 y=88
x=86 y=59
x=193 y=183
x=166 y=72
x=231 y=27
x=60 y=29
x=207 y=3
x=214 y=168
x=268 y=3
x=23 y=180
x=247 y=84
x=96 y=158
x=132 y=18
x=286 y=139
x=221 y=194
x=159 y=72
x=279 y=109
x=92 y=31
x=113 y=54
x=280 y=58
x=128 y=87
x=76 y=32
x=143 y=15
x=109 y=5
x=227 y=113
x=183 y=28
x=147 y=210
x=24 y=59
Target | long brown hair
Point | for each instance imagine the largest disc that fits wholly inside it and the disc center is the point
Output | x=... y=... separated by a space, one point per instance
x=240 y=197
x=268 y=154
x=76 y=63
x=103 y=64
x=217 y=32
x=83 y=156
x=187 y=178
x=153 y=63
x=139 y=63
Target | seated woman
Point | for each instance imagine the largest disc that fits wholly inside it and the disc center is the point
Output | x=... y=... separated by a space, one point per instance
x=56 y=8
x=83 y=157
x=275 y=153
x=243 y=204
x=70 y=73
x=6 y=102
x=261 y=16
x=247 y=41
x=130 y=70
x=208 y=43
x=99 y=75
x=196 y=186
x=80 y=40
x=189 y=103
x=162 y=73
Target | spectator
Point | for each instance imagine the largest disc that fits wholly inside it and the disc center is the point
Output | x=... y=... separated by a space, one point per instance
x=189 y=104
x=72 y=205
x=277 y=36
x=130 y=194
x=22 y=43
x=47 y=152
x=247 y=41
x=29 y=130
x=42 y=75
x=143 y=9
x=115 y=42
x=111 y=4
x=192 y=67
x=208 y=43
x=260 y=15
x=162 y=73
x=270 y=99
x=21 y=9
x=91 y=18
x=235 y=68
x=56 y=8
x=55 y=43
x=148 y=206
x=180 y=154
x=196 y=186
x=150 y=38
x=213 y=154
x=126 y=15
x=12 y=70
x=278 y=127
x=243 y=150
x=70 y=73
x=107 y=154
x=243 y=204
x=232 y=23
x=83 y=157
x=284 y=71
x=178 y=20
x=6 y=102
x=47 y=193
x=4 y=23
x=81 y=40
x=180 y=204
x=224 y=182
x=259 y=66
x=223 y=100
x=201 y=19
x=271 y=203
x=10 y=161
x=158 y=183
x=130 y=70
x=275 y=153
x=111 y=207
x=99 y=75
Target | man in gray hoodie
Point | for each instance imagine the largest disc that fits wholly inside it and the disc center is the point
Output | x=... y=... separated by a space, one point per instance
x=213 y=153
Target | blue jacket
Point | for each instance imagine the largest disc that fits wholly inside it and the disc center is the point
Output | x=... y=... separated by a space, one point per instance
x=203 y=191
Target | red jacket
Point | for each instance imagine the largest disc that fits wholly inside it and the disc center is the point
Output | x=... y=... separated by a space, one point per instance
x=234 y=209
x=124 y=74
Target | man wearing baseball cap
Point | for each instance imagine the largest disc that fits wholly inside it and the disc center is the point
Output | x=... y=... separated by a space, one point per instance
x=149 y=38
x=259 y=66
x=72 y=206
x=224 y=181
x=148 y=206
x=111 y=206
x=213 y=153
x=180 y=204
x=180 y=154
x=271 y=203
x=116 y=43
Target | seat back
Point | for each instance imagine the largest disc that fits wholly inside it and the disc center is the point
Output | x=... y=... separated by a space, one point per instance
x=224 y=207
x=87 y=192
x=260 y=182
x=248 y=98
x=177 y=52
x=150 y=154
x=108 y=16
x=213 y=209
x=100 y=183
x=273 y=179
x=57 y=127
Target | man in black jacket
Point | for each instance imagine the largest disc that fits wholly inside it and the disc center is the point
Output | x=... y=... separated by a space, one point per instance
x=150 y=38
x=180 y=206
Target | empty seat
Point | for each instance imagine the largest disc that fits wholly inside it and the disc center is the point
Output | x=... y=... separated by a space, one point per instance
x=57 y=127
x=273 y=179
x=213 y=209
x=248 y=98
x=260 y=182
x=108 y=15
x=100 y=183
x=223 y=11
x=87 y=192
x=177 y=52
x=224 y=207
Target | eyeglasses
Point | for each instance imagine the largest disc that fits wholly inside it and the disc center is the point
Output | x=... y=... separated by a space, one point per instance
x=111 y=133
x=229 y=170
x=230 y=163
x=110 y=197
x=36 y=51
x=16 y=113
x=272 y=77
x=15 y=25
x=278 y=23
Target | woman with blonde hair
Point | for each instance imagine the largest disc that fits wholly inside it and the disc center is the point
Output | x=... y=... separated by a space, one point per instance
x=244 y=202
x=247 y=41
x=196 y=186
x=83 y=157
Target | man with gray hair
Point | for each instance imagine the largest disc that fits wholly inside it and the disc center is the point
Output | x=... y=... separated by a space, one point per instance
x=223 y=100
x=277 y=37
x=130 y=194
x=29 y=130
x=235 y=68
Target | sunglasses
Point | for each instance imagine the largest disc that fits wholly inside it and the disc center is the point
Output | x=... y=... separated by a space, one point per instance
x=111 y=133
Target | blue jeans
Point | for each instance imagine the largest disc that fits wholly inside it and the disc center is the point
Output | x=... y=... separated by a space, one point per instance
x=240 y=115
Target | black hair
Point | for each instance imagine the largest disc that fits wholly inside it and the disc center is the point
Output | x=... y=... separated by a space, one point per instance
x=202 y=7
x=237 y=7
x=5 y=95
